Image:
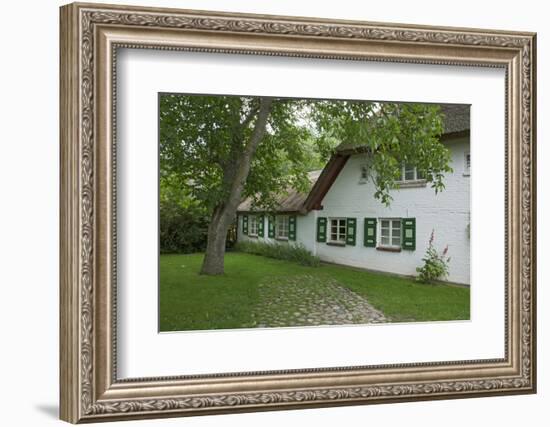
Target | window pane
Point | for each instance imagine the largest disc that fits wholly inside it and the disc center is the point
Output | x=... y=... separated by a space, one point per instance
x=282 y=227
x=396 y=241
x=385 y=223
x=409 y=174
x=253 y=229
x=385 y=231
x=385 y=240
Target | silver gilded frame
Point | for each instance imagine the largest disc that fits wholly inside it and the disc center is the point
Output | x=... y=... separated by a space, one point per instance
x=90 y=37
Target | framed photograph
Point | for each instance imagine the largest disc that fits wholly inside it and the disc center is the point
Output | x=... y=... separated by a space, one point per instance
x=266 y=212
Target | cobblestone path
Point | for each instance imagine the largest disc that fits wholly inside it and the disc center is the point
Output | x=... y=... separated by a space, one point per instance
x=307 y=301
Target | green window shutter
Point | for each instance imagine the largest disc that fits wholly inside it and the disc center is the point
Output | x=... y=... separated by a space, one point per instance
x=245 y=224
x=292 y=227
x=321 y=230
x=271 y=226
x=351 y=226
x=260 y=226
x=369 y=239
x=408 y=226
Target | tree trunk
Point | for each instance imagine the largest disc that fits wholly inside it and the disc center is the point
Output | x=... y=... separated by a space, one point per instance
x=213 y=262
x=235 y=177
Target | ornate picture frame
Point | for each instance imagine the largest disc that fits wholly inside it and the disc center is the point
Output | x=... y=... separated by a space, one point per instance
x=90 y=37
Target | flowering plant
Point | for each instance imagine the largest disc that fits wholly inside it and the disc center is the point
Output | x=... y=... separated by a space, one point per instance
x=436 y=265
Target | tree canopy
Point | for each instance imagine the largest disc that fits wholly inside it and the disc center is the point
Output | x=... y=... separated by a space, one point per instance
x=200 y=135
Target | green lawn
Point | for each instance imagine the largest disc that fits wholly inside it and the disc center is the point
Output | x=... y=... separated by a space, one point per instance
x=189 y=301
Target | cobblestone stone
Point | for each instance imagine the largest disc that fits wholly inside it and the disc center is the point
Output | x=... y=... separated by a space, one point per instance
x=306 y=301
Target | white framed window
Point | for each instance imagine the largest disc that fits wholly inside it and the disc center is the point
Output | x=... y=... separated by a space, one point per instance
x=364 y=174
x=467 y=163
x=390 y=232
x=337 y=230
x=281 y=227
x=410 y=173
x=253 y=225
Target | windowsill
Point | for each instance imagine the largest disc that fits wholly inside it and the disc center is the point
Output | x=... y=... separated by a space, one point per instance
x=336 y=244
x=282 y=239
x=253 y=236
x=388 y=249
x=416 y=183
x=466 y=174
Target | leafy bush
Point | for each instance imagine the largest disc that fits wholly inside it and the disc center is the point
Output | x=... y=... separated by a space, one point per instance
x=183 y=228
x=291 y=252
x=436 y=265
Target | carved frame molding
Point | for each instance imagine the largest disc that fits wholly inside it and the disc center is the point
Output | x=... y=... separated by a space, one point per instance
x=90 y=36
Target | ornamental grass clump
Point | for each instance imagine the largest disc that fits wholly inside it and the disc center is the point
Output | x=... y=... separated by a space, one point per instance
x=289 y=252
x=436 y=265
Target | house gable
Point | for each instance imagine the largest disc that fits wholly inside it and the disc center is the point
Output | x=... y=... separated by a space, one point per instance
x=456 y=127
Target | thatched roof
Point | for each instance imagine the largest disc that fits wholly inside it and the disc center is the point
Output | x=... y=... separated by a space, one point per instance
x=291 y=201
x=457 y=117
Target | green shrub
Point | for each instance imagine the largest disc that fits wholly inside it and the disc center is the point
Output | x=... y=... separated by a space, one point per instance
x=183 y=229
x=289 y=252
x=436 y=265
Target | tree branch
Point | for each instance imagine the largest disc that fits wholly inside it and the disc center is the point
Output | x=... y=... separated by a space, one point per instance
x=236 y=174
x=251 y=114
